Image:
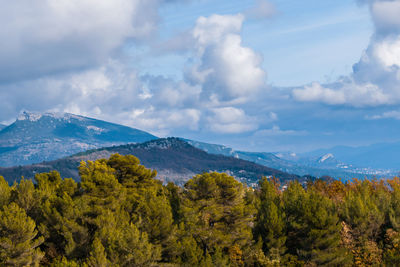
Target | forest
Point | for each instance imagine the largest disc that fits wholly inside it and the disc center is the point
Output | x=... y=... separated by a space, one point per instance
x=119 y=214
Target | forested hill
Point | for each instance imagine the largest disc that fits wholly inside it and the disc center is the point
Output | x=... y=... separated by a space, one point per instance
x=174 y=159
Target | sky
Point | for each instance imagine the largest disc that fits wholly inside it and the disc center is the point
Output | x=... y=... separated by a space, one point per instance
x=255 y=75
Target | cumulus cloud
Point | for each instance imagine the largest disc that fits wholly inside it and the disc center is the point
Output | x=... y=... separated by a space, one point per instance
x=52 y=36
x=170 y=93
x=113 y=92
x=231 y=120
x=65 y=56
x=349 y=92
x=223 y=66
x=376 y=77
x=161 y=121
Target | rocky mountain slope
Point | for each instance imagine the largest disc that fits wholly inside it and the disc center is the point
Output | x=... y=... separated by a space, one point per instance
x=174 y=159
x=34 y=138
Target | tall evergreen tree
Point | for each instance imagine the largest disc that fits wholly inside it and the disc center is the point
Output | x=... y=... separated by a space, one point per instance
x=123 y=242
x=18 y=238
x=147 y=201
x=364 y=210
x=5 y=192
x=313 y=228
x=270 y=223
x=216 y=213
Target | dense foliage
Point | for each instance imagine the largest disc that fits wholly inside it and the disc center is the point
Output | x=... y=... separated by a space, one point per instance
x=121 y=215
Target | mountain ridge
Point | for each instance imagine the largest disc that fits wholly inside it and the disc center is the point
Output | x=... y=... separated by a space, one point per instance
x=298 y=163
x=174 y=159
x=369 y=155
x=36 y=137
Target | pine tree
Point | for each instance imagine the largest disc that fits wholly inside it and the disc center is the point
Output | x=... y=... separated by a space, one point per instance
x=270 y=222
x=364 y=210
x=216 y=213
x=147 y=201
x=313 y=228
x=98 y=257
x=63 y=226
x=123 y=242
x=18 y=238
x=5 y=192
x=25 y=195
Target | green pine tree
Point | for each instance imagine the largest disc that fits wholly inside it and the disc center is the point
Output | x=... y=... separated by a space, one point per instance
x=18 y=238
x=270 y=222
x=313 y=228
x=98 y=257
x=5 y=192
x=217 y=214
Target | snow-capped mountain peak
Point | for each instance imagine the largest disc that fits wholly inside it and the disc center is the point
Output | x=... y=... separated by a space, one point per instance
x=325 y=157
x=33 y=117
x=27 y=116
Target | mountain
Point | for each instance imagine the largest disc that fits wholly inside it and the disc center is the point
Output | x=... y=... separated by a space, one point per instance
x=318 y=164
x=34 y=138
x=2 y=126
x=379 y=156
x=174 y=159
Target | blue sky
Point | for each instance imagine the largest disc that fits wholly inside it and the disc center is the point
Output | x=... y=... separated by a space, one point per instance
x=304 y=41
x=259 y=75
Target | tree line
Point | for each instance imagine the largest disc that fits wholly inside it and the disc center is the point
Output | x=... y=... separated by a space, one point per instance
x=119 y=214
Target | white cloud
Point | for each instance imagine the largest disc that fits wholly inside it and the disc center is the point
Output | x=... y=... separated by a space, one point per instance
x=231 y=120
x=349 y=93
x=388 y=52
x=394 y=114
x=161 y=121
x=376 y=77
x=52 y=36
x=173 y=94
x=386 y=15
x=213 y=29
x=225 y=69
x=276 y=131
x=65 y=56
x=315 y=92
x=111 y=92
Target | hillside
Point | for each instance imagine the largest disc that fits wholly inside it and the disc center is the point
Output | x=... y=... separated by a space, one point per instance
x=34 y=138
x=174 y=159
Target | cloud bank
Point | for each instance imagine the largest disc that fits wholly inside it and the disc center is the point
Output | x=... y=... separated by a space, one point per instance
x=47 y=36
x=68 y=56
x=375 y=79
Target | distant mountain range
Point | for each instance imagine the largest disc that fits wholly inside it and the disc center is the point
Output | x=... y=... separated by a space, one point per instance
x=174 y=159
x=318 y=163
x=377 y=156
x=34 y=138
